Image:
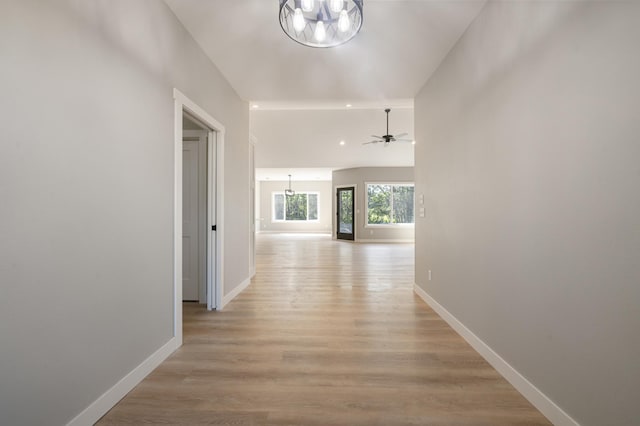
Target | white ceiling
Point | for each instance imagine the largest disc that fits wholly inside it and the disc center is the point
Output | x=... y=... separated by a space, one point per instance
x=311 y=138
x=297 y=175
x=302 y=92
x=400 y=45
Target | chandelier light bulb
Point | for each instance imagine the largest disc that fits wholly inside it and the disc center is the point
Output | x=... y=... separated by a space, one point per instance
x=298 y=20
x=343 y=21
x=307 y=5
x=336 y=5
x=320 y=33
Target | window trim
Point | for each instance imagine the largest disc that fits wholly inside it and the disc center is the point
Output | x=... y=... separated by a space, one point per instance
x=273 y=207
x=387 y=225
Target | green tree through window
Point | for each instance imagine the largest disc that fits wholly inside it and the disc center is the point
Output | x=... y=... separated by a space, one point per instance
x=297 y=207
x=302 y=206
x=390 y=204
x=313 y=206
x=379 y=204
x=403 y=204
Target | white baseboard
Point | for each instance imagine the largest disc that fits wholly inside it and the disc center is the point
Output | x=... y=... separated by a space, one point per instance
x=107 y=400
x=538 y=399
x=236 y=291
x=390 y=241
x=296 y=232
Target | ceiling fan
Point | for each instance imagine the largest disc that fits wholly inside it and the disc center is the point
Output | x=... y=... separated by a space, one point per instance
x=388 y=138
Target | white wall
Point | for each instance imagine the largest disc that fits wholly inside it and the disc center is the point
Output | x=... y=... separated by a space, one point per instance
x=86 y=183
x=528 y=158
x=360 y=177
x=323 y=225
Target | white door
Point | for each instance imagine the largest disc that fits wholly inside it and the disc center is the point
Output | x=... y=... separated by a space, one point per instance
x=194 y=237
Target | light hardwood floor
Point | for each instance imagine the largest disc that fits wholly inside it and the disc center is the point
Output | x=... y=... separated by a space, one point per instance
x=328 y=333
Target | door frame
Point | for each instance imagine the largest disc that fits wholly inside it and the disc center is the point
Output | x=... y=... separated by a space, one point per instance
x=355 y=210
x=252 y=205
x=215 y=140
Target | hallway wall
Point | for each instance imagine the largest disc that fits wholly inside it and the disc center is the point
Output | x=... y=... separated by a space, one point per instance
x=86 y=190
x=527 y=155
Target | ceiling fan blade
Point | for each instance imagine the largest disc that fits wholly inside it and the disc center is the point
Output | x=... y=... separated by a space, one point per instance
x=367 y=143
x=404 y=140
x=401 y=135
x=377 y=137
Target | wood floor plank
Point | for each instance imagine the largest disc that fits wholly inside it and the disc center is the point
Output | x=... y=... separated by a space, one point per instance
x=328 y=333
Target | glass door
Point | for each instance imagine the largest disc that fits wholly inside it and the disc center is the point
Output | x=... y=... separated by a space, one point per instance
x=345 y=207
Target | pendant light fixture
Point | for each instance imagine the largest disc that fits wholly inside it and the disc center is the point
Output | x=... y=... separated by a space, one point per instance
x=289 y=192
x=321 y=23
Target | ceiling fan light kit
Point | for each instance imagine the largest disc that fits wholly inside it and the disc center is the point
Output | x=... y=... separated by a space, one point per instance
x=321 y=23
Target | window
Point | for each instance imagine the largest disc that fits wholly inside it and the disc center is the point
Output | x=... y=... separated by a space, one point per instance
x=390 y=204
x=302 y=206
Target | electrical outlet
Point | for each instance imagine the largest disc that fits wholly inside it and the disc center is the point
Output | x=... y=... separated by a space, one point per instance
x=429 y=274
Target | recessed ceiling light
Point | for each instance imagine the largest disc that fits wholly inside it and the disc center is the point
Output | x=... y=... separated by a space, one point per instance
x=254 y=106
x=342 y=142
x=348 y=105
x=413 y=142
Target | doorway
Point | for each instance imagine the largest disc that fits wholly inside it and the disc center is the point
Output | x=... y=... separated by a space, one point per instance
x=198 y=212
x=345 y=207
x=199 y=159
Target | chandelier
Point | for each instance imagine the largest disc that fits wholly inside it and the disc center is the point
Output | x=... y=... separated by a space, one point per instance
x=321 y=23
x=289 y=192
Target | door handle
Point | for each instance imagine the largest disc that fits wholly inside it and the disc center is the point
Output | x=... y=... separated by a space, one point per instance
x=213 y=228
